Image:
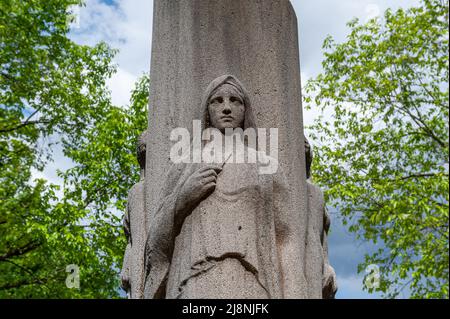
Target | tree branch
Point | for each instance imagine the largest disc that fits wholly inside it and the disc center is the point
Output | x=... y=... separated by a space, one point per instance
x=419 y=176
x=36 y=279
x=416 y=118
x=26 y=123
x=20 y=283
x=20 y=251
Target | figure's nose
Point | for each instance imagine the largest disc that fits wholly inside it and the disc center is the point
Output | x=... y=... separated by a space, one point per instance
x=226 y=108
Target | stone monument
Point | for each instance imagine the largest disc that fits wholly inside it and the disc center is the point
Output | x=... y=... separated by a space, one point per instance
x=317 y=243
x=223 y=229
x=132 y=276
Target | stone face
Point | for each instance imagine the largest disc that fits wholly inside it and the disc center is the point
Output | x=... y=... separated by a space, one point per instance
x=225 y=230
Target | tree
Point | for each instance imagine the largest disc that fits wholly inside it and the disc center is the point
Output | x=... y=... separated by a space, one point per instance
x=382 y=143
x=96 y=188
x=53 y=90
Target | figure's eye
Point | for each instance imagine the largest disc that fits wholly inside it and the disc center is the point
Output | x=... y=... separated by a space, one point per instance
x=235 y=99
x=217 y=100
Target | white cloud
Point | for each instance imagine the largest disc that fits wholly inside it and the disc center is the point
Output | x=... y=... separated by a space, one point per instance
x=320 y=18
x=126 y=25
x=120 y=85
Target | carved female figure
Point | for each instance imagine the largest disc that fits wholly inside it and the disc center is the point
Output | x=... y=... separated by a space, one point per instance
x=132 y=275
x=224 y=231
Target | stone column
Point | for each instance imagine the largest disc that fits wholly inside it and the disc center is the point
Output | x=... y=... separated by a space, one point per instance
x=195 y=41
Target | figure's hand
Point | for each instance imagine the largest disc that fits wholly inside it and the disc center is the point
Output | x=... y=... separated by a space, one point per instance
x=329 y=284
x=197 y=187
x=125 y=281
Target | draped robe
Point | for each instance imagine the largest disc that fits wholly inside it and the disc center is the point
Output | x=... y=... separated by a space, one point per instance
x=229 y=246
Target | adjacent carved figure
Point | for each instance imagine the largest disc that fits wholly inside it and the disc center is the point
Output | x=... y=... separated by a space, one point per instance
x=322 y=283
x=223 y=230
x=132 y=275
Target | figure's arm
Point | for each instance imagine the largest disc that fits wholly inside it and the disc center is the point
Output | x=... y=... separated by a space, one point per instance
x=198 y=186
x=126 y=223
x=290 y=232
x=183 y=190
x=324 y=235
x=160 y=238
x=125 y=282
x=125 y=273
x=329 y=284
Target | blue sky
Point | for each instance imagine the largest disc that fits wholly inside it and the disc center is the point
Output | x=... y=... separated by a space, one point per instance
x=127 y=26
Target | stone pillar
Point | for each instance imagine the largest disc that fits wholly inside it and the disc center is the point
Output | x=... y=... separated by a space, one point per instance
x=194 y=42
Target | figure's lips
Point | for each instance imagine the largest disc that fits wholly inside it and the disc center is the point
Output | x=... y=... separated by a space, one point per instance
x=227 y=118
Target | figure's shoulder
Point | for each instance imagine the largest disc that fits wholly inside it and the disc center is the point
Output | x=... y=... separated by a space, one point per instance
x=136 y=189
x=315 y=196
x=313 y=188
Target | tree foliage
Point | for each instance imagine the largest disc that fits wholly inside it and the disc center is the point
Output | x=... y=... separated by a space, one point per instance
x=382 y=143
x=53 y=91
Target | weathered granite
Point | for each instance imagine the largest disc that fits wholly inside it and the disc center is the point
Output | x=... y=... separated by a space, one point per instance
x=224 y=230
x=194 y=42
x=132 y=275
x=319 y=273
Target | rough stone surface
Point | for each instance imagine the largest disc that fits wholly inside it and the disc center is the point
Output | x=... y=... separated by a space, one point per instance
x=227 y=231
x=194 y=42
x=319 y=273
x=132 y=276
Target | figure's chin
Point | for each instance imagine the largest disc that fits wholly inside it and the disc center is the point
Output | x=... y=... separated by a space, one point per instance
x=226 y=125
